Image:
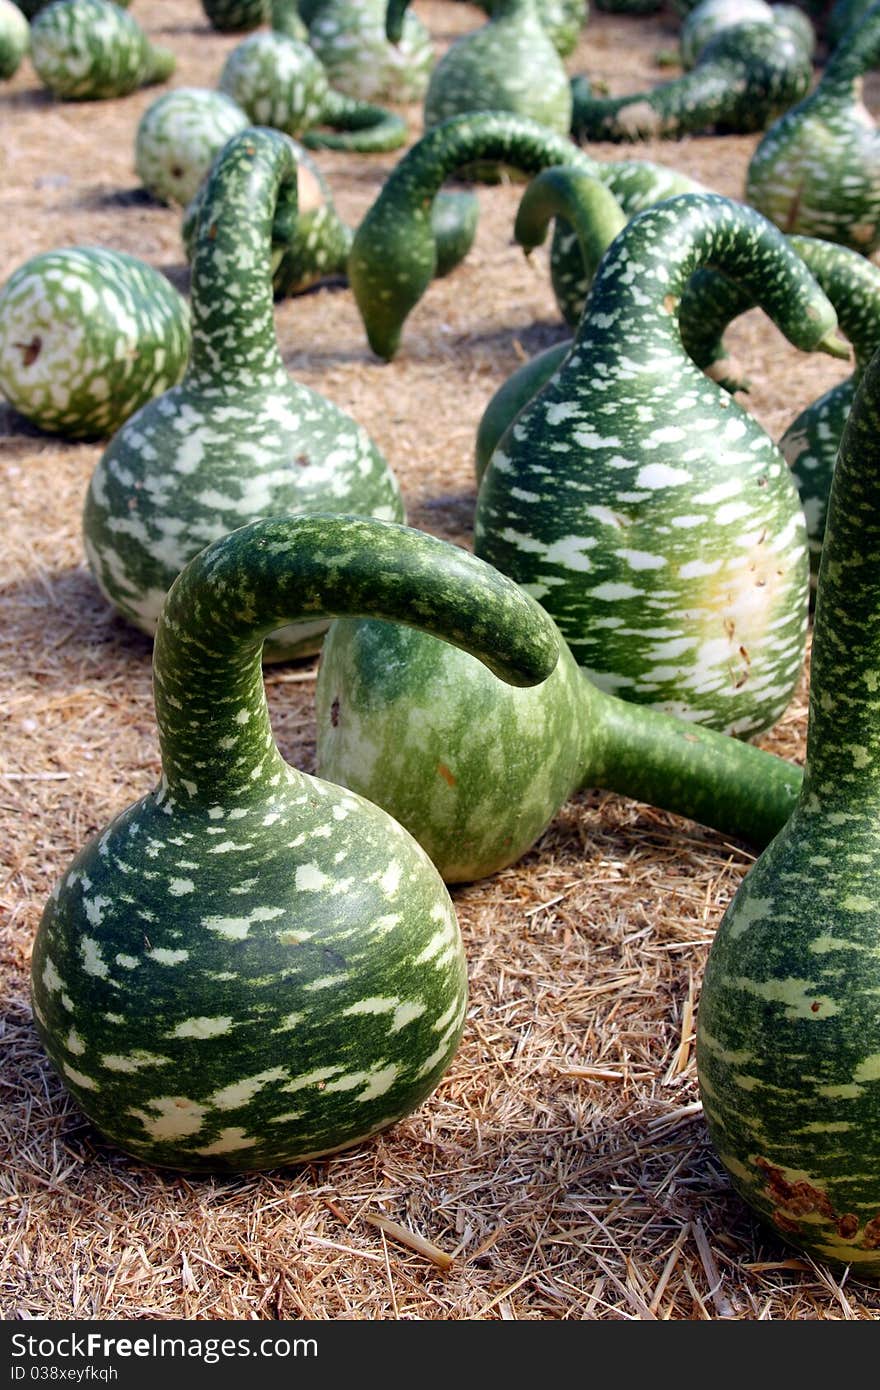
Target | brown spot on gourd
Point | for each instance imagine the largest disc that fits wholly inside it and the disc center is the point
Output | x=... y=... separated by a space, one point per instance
x=303 y=460
x=30 y=351
x=446 y=774
x=334 y=712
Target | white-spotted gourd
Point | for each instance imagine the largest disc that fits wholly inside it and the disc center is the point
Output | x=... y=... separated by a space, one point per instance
x=709 y=17
x=238 y=438
x=788 y=1043
x=476 y=771
x=14 y=38
x=744 y=77
x=178 y=137
x=279 y=81
x=91 y=50
x=508 y=64
x=816 y=170
x=250 y=966
x=349 y=38
x=88 y=336
x=646 y=509
x=563 y=20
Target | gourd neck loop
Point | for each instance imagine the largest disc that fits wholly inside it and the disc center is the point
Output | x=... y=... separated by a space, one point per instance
x=852 y=283
x=214 y=729
x=645 y=271
x=577 y=198
x=843 y=734
x=252 y=189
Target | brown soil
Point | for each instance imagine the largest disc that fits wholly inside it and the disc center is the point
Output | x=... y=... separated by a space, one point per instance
x=563 y=1163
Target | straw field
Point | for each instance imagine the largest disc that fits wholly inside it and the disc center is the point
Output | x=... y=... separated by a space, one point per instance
x=562 y=1168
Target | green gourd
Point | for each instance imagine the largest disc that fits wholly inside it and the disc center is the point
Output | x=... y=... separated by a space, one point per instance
x=349 y=38
x=709 y=17
x=31 y=7
x=87 y=336
x=647 y=510
x=394 y=255
x=250 y=966
x=744 y=77
x=236 y=16
x=178 y=136
x=788 y=1049
x=842 y=15
x=816 y=170
x=476 y=772
x=14 y=38
x=508 y=64
x=281 y=82
x=91 y=50
x=238 y=438
x=563 y=20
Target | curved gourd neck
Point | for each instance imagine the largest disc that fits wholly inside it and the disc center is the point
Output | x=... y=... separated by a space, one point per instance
x=576 y=198
x=852 y=283
x=214 y=730
x=857 y=52
x=843 y=737
x=395 y=15
x=251 y=189
x=636 y=292
x=685 y=768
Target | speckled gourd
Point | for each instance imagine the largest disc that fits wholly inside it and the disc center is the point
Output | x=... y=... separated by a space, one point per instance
x=646 y=509
x=178 y=136
x=279 y=81
x=788 y=1045
x=14 y=38
x=238 y=438
x=88 y=336
x=563 y=20
x=476 y=772
x=250 y=966
x=91 y=50
x=508 y=64
x=349 y=38
x=394 y=255
x=709 y=17
x=743 y=78
x=816 y=170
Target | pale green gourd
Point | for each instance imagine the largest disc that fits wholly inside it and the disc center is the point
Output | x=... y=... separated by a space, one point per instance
x=90 y=50
x=14 y=38
x=349 y=37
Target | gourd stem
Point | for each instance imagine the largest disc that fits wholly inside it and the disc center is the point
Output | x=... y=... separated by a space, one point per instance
x=577 y=198
x=214 y=728
x=358 y=126
x=233 y=326
x=642 y=753
x=843 y=737
x=857 y=52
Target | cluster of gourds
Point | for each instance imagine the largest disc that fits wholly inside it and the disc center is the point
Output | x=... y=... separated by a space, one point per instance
x=194 y=963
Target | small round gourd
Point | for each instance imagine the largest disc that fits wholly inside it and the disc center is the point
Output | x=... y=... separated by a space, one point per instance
x=645 y=508
x=250 y=966
x=788 y=1043
x=88 y=336
x=178 y=136
x=90 y=50
x=709 y=17
x=816 y=170
x=350 y=40
x=238 y=438
x=14 y=38
x=235 y=16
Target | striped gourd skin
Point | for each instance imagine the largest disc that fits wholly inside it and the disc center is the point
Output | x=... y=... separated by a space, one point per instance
x=474 y=770
x=816 y=170
x=93 y=49
x=250 y=966
x=238 y=438
x=509 y=64
x=649 y=513
x=14 y=38
x=811 y=441
x=277 y=80
x=788 y=1048
x=743 y=79
x=87 y=336
x=178 y=137
x=349 y=38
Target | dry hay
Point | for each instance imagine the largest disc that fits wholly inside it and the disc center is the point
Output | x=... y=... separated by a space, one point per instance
x=563 y=1163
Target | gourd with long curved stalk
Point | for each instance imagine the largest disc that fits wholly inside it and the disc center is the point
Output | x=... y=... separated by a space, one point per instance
x=788 y=1044
x=744 y=77
x=508 y=64
x=279 y=81
x=650 y=513
x=476 y=772
x=251 y=966
x=88 y=336
x=393 y=256
x=90 y=50
x=816 y=170
x=14 y=38
x=238 y=438
x=349 y=37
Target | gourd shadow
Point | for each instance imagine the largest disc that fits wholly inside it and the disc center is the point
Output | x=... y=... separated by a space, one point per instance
x=101 y=199
x=31 y=99
x=532 y=337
